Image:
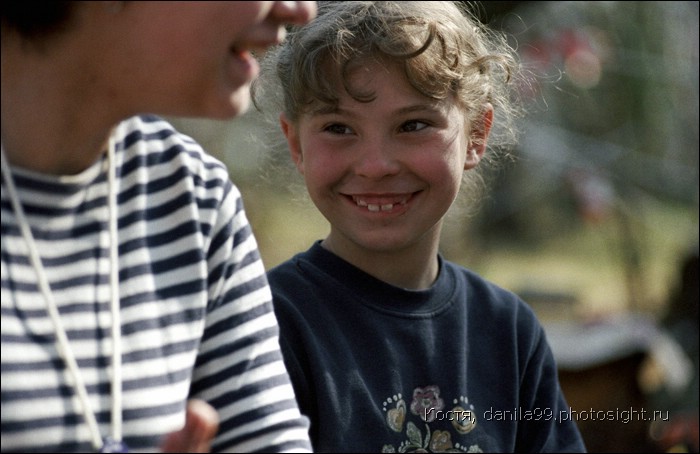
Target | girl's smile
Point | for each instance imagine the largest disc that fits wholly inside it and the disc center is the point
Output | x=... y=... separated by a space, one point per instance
x=382 y=203
x=385 y=171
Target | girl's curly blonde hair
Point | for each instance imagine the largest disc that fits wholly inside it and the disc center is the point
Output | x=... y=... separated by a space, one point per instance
x=443 y=49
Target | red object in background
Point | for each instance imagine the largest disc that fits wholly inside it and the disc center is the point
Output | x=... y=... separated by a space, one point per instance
x=679 y=434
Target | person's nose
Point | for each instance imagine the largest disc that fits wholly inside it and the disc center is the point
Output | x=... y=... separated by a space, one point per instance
x=298 y=13
x=376 y=160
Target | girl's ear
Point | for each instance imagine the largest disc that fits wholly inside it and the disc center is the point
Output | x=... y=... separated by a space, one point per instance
x=290 y=133
x=478 y=138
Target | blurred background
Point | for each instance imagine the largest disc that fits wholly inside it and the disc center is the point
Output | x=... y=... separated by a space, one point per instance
x=595 y=224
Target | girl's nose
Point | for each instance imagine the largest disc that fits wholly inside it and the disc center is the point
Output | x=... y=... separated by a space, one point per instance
x=294 y=12
x=376 y=161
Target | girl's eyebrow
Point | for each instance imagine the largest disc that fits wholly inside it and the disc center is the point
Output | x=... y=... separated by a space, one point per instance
x=327 y=109
x=427 y=108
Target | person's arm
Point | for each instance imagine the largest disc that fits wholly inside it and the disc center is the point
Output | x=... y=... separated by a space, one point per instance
x=549 y=430
x=239 y=369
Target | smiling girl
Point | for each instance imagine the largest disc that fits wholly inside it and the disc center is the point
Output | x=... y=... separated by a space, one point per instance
x=386 y=107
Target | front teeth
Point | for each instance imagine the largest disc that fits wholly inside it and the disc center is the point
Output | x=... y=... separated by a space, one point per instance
x=375 y=207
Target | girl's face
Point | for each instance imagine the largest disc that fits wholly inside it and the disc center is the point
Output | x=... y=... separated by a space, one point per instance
x=194 y=58
x=385 y=172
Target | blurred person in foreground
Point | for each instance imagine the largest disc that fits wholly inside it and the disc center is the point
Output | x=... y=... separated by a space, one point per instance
x=386 y=107
x=135 y=309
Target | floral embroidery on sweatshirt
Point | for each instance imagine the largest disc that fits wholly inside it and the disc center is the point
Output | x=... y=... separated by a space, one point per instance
x=426 y=407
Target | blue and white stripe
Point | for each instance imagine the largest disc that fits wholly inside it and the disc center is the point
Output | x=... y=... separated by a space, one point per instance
x=196 y=312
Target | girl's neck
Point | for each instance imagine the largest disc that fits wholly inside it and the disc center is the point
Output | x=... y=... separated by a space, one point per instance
x=415 y=267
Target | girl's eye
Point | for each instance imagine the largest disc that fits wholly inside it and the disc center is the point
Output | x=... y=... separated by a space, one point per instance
x=413 y=125
x=337 y=128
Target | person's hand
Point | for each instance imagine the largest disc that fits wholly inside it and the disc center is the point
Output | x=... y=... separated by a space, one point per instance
x=201 y=425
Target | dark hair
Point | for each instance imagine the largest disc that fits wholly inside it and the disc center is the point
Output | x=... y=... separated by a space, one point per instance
x=34 y=20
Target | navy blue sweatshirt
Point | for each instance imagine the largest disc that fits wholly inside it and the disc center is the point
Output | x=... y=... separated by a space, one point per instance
x=462 y=366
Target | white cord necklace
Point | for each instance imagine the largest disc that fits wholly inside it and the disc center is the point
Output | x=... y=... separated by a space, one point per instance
x=112 y=443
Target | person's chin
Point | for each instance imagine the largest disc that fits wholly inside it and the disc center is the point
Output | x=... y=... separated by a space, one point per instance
x=240 y=102
x=236 y=104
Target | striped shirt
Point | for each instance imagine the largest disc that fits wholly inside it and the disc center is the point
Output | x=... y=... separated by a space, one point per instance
x=196 y=312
